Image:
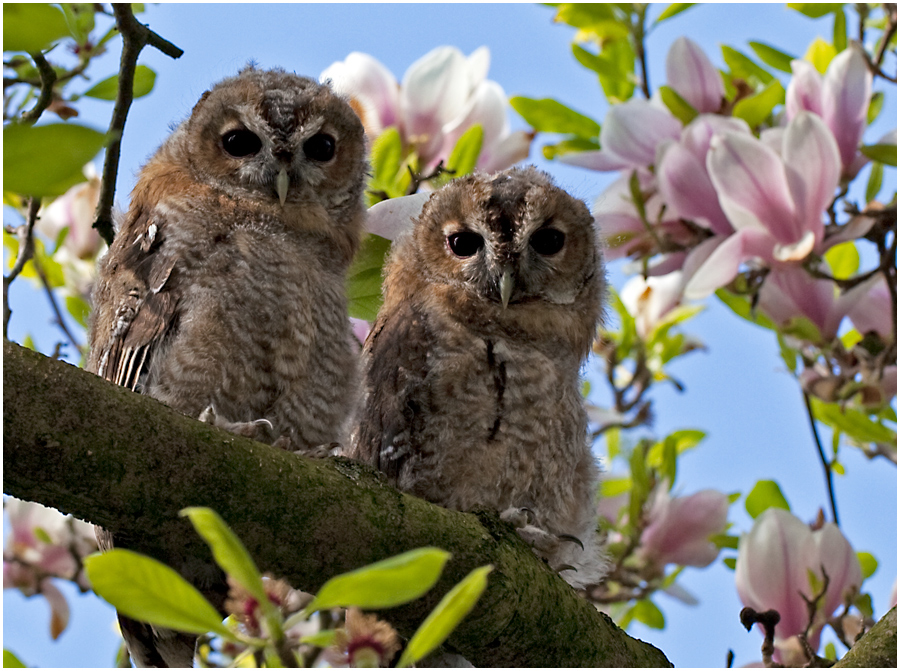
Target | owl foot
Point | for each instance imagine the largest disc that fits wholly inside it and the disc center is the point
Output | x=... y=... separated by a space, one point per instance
x=318 y=451
x=255 y=429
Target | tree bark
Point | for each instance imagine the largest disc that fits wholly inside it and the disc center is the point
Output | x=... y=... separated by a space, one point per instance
x=877 y=649
x=129 y=463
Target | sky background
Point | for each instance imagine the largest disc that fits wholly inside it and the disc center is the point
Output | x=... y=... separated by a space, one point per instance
x=738 y=390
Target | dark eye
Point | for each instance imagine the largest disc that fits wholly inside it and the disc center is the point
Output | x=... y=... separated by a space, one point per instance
x=465 y=243
x=319 y=147
x=241 y=142
x=547 y=241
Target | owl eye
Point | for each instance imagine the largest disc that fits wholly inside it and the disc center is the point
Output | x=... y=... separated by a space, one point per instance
x=241 y=142
x=547 y=241
x=319 y=147
x=465 y=243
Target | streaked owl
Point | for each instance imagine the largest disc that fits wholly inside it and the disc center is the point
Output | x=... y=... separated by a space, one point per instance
x=471 y=373
x=223 y=294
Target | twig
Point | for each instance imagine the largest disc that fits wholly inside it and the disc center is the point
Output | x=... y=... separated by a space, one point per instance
x=135 y=36
x=416 y=179
x=886 y=36
x=48 y=78
x=768 y=619
x=54 y=305
x=829 y=475
x=640 y=50
x=25 y=234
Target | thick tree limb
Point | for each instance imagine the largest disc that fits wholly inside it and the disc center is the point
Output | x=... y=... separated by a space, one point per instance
x=877 y=649
x=129 y=463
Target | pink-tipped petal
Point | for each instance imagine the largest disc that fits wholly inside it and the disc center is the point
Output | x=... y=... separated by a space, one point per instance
x=510 y=150
x=869 y=306
x=804 y=92
x=789 y=291
x=390 y=218
x=632 y=131
x=477 y=65
x=685 y=185
x=845 y=100
x=724 y=261
x=602 y=161
x=363 y=77
x=693 y=76
x=697 y=135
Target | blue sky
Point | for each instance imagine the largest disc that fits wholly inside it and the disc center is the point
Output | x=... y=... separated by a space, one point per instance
x=737 y=390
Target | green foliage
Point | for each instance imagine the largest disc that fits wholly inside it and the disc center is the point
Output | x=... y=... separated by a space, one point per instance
x=47 y=160
x=144 y=79
x=79 y=308
x=32 y=27
x=551 y=116
x=464 y=156
x=815 y=10
x=364 y=277
x=570 y=146
x=10 y=661
x=856 y=425
x=875 y=106
x=843 y=259
x=51 y=268
x=384 y=584
x=743 y=67
x=446 y=616
x=614 y=66
x=756 y=108
x=764 y=495
x=883 y=153
x=648 y=613
x=676 y=444
x=673 y=9
x=867 y=563
x=820 y=53
x=772 y=57
x=873 y=185
x=742 y=307
x=150 y=591
x=386 y=157
x=839 y=33
x=678 y=106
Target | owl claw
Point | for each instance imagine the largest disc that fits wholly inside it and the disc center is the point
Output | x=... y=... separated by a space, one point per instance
x=565 y=567
x=254 y=429
x=518 y=517
x=319 y=451
x=571 y=539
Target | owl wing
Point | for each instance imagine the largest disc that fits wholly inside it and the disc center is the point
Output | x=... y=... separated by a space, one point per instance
x=396 y=356
x=138 y=302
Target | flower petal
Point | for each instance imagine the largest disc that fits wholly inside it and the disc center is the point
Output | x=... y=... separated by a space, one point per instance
x=693 y=76
x=846 y=90
x=390 y=218
x=602 y=161
x=363 y=77
x=510 y=150
x=724 y=260
x=633 y=129
x=686 y=186
x=804 y=91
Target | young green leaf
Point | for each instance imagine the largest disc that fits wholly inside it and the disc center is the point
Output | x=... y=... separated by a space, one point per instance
x=384 y=584
x=572 y=146
x=677 y=105
x=839 y=32
x=820 y=53
x=445 y=617
x=10 y=661
x=764 y=495
x=875 y=105
x=876 y=178
x=815 y=10
x=228 y=551
x=673 y=9
x=756 y=108
x=843 y=259
x=742 y=308
x=108 y=89
x=648 y=613
x=854 y=423
x=386 y=156
x=32 y=27
x=772 y=57
x=730 y=562
x=742 y=66
x=150 y=591
x=79 y=308
x=883 y=153
x=464 y=157
x=364 y=278
x=551 y=116
x=46 y=160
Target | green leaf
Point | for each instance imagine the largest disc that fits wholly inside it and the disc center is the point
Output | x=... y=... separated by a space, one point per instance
x=79 y=308
x=740 y=305
x=47 y=160
x=584 y=15
x=614 y=487
x=464 y=157
x=788 y=353
x=855 y=424
x=647 y=612
x=802 y=328
x=863 y=604
x=742 y=66
x=830 y=651
x=815 y=10
x=673 y=10
x=32 y=27
x=640 y=482
x=80 y=19
x=876 y=178
x=386 y=156
x=772 y=57
x=551 y=116
x=851 y=338
x=384 y=584
x=764 y=495
x=843 y=259
x=321 y=639
x=875 y=105
x=680 y=441
x=364 y=277
x=756 y=109
x=725 y=541
x=617 y=74
x=10 y=661
x=883 y=153
x=820 y=53
x=572 y=146
x=730 y=562
x=150 y=591
x=108 y=89
x=445 y=617
x=839 y=32
x=228 y=551
x=678 y=106
x=868 y=563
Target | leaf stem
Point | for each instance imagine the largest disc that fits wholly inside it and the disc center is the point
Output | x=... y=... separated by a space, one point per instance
x=829 y=475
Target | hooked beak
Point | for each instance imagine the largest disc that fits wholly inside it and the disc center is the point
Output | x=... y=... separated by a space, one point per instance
x=506 y=286
x=282 y=182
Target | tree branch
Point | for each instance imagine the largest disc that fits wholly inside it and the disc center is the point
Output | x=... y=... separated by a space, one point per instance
x=48 y=78
x=129 y=463
x=25 y=235
x=876 y=649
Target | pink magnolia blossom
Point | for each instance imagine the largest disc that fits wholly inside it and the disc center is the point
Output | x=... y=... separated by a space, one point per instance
x=871 y=307
x=679 y=527
x=75 y=210
x=775 y=203
x=841 y=98
x=693 y=76
x=774 y=560
x=442 y=95
x=649 y=300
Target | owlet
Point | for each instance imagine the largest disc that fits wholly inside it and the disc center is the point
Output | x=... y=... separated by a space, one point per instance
x=223 y=293
x=471 y=373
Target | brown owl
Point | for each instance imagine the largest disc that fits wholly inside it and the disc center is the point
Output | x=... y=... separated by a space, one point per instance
x=471 y=372
x=223 y=293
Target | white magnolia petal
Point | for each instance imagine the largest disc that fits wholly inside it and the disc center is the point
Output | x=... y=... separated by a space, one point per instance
x=693 y=76
x=804 y=91
x=846 y=90
x=390 y=218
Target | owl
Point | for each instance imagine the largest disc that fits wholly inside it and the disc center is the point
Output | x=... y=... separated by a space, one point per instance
x=223 y=293
x=471 y=393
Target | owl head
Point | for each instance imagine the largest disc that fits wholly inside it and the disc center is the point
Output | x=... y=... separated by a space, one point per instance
x=511 y=251
x=272 y=136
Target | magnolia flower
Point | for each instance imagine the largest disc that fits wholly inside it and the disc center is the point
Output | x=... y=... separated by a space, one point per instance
x=75 y=210
x=442 y=95
x=871 y=308
x=775 y=203
x=649 y=300
x=773 y=566
x=693 y=76
x=679 y=528
x=841 y=98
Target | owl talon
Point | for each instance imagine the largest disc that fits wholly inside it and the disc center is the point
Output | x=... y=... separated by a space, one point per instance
x=565 y=567
x=518 y=517
x=319 y=451
x=571 y=539
x=255 y=429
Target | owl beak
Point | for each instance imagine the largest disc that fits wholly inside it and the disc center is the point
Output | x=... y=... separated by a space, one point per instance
x=506 y=286
x=282 y=182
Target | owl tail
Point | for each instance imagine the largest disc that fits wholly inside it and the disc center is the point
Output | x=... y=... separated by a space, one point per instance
x=156 y=647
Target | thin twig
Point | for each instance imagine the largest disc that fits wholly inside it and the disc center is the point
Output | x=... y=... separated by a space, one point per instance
x=48 y=78
x=886 y=36
x=829 y=475
x=135 y=36
x=51 y=297
x=25 y=234
x=640 y=50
